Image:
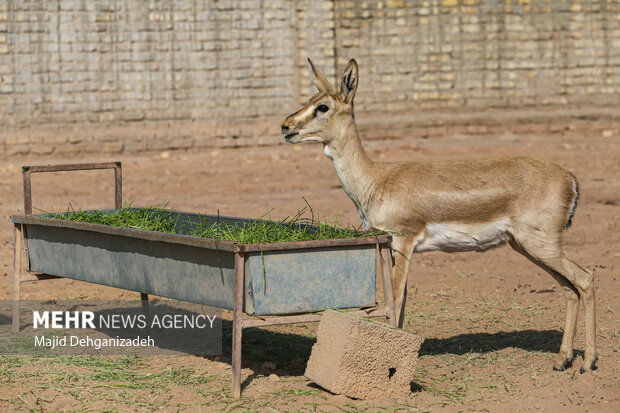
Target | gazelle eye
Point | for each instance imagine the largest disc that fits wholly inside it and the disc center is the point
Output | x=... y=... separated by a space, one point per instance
x=322 y=108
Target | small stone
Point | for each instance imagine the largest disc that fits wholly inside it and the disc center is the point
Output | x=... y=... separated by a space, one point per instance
x=164 y=155
x=274 y=377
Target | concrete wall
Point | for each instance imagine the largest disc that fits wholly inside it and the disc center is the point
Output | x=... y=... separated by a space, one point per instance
x=119 y=61
x=227 y=71
x=475 y=54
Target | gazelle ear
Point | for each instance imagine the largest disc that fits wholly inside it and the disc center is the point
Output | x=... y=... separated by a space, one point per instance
x=321 y=83
x=349 y=82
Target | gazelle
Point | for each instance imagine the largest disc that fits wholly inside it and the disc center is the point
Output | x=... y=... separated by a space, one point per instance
x=453 y=206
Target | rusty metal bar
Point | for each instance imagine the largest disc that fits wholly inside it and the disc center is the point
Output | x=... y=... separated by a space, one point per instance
x=27 y=172
x=72 y=167
x=342 y=242
x=274 y=321
x=308 y=318
x=17 y=267
x=118 y=186
x=27 y=192
x=386 y=276
x=238 y=323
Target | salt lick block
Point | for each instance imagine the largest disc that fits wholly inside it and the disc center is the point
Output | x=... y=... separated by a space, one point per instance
x=362 y=359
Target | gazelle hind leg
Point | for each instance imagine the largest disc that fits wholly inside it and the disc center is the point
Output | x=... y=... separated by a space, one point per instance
x=572 y=277
x=584 y=281
x=565 y=356
x=402 y=248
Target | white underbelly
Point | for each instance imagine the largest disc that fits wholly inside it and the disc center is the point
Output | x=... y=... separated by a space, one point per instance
x=453 y=237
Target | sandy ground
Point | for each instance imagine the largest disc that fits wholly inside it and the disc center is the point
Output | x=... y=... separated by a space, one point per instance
x=492 y=321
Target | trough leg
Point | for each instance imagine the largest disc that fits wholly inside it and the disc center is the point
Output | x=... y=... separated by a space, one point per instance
x=17 y=272
x=386 y=275
x=237 y=324
x=144 y=299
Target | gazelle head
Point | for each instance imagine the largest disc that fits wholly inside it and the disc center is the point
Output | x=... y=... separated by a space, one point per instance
x=320 y=119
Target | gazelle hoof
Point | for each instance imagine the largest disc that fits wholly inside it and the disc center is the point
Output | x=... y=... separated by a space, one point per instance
x=563 y=364
x=585 y=368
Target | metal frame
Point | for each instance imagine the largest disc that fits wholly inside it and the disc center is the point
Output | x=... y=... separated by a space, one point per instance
x=27 y=172
x=18 y=235
x=384 y=258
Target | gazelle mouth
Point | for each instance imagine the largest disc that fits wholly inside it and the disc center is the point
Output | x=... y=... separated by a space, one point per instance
x=290 y=135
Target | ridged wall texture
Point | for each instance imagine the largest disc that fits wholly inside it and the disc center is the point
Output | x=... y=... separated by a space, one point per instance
x=226 y=72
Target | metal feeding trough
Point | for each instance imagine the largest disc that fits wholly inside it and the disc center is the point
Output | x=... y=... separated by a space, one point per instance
x=273 y=279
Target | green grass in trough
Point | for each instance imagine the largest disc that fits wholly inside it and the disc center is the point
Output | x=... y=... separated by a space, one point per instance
x=149 y=219
x=296 y=228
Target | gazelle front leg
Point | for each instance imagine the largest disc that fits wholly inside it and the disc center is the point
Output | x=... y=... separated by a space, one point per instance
x=402 y=248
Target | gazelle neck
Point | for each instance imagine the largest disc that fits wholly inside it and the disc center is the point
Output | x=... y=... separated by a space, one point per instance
x=353 y=166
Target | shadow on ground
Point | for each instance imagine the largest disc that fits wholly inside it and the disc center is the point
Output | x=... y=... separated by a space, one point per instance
x=287 y=354
x=530 y=340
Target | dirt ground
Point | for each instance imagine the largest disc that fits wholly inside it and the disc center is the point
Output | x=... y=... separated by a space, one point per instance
x=492 y=321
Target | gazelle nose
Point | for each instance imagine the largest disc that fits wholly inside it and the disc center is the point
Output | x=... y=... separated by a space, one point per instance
x=285 y=128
